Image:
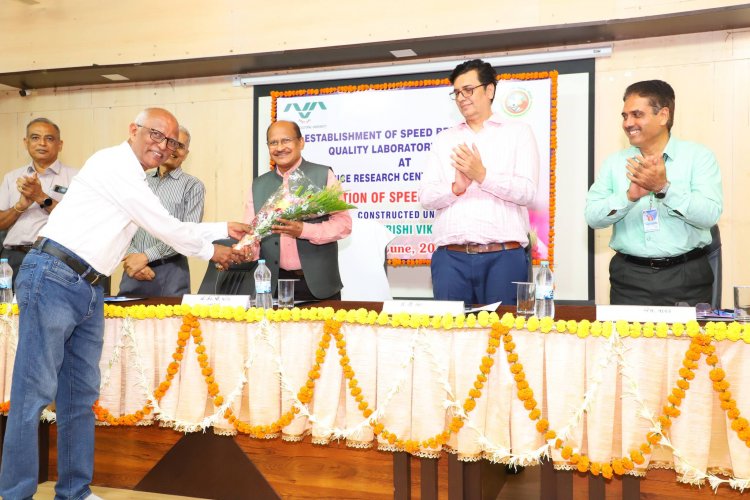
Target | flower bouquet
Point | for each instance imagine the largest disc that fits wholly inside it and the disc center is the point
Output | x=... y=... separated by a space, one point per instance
x=300 y=199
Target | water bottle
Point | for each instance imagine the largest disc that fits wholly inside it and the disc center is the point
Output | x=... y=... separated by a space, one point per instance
x=544 y=296
x=6 y=282
x=263 y=298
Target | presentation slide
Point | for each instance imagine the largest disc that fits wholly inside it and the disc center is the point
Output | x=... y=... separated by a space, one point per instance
x=377 y=140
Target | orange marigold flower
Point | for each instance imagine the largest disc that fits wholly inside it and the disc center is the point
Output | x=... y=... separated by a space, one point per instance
x=550 y=434
x=627 y=464
x=516 y=368
x=686 y=374
x=512 y=357
x=542 y=426
x=674 y=400
x=509 y=346
x=721 y=386
x=733 y=413
x=583 y=464
x=712 y=360
x=637 y=457
x=529 y=404
x=535 y=414
x=725 y=396
x=739 y=423
x=525 y=394
x=475 y=393
x=645 y=449
x=522 y=385
x=679 y=393
x=683 y=384
x=566 y=452
x=218 y=400
x=519 y=377
x=617 y=467
x=717 y=374
x=665 y=422
x=469 y=405
x=728 y=405
x=595 y=468
x=607 y=471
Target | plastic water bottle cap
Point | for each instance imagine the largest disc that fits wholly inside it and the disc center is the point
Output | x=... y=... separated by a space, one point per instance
x=3 y=260
x=545 y=263
x=261 y=261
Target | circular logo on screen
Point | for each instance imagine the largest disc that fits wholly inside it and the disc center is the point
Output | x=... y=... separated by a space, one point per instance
x=517 y=102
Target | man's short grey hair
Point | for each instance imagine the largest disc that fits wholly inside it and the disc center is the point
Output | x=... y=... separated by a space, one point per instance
x=41 y=119
x=185 y=131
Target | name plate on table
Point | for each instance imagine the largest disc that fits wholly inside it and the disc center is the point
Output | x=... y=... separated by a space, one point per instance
x=642 y=314
x=210 y=300
x=429 y=307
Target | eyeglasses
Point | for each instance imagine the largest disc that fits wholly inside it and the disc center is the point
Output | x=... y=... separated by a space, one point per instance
x=466 y=91
x=284 y=142
x=158 y=138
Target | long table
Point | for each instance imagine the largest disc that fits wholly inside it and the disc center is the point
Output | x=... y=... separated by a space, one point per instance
x=602 y=394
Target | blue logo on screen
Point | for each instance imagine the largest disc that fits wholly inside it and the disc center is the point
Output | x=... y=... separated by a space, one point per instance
x=305 y=111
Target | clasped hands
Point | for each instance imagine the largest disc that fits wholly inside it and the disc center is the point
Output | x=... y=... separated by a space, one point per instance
x=31 y=189
x=646 y=175
x=469 y=167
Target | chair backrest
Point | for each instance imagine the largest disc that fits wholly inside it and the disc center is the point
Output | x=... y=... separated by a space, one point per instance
x=237 y=280
x=714 y=259
x=362 y=262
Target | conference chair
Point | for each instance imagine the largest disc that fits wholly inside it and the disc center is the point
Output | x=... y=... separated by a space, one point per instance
x=237 y=280
x=714 y=258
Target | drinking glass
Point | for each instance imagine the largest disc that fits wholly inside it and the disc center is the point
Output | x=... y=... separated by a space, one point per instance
x=286 y=293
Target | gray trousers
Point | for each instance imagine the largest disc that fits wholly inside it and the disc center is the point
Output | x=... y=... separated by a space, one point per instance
x=172 y=280
x=634 y=284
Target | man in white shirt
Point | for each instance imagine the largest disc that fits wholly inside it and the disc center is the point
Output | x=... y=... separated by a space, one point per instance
x=29 y=194
x=61 y=322
x=480 y=177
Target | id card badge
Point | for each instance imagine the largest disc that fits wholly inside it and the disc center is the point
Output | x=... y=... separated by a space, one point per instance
x=650 y=220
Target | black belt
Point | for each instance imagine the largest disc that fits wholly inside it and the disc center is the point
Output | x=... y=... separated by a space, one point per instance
x=19 y=248
x=166 y=260
x=69 y=259
x=293 y=272
x=660 y=263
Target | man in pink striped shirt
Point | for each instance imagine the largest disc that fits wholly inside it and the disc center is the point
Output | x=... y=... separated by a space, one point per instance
x=480 y=177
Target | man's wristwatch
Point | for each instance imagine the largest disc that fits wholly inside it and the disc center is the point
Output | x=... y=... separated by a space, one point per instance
x=46 y=202
x=663 y=191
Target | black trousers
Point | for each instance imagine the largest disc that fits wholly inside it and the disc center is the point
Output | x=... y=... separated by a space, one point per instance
x=634 y=284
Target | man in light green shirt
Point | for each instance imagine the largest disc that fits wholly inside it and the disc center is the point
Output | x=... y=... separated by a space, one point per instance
x=662 y=195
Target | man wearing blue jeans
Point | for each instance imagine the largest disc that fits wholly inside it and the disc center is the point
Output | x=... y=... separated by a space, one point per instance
x=61 y=323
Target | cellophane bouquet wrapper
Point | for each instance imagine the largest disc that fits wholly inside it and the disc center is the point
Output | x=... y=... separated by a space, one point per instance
x=300 y=199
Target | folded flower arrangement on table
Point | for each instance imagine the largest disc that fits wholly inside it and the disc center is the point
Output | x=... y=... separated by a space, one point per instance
x=300 y=199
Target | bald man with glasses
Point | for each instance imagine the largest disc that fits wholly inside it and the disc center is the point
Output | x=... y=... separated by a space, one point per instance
x=60 y=298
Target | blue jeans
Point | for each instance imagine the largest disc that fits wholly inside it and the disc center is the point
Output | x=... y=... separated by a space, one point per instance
x=60 y=335
x=482 y=278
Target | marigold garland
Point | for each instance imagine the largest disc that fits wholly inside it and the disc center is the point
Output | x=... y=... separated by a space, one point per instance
x=700 y=345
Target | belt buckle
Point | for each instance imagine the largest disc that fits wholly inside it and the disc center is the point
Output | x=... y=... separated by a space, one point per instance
x=469 y=250
x=96 y=280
